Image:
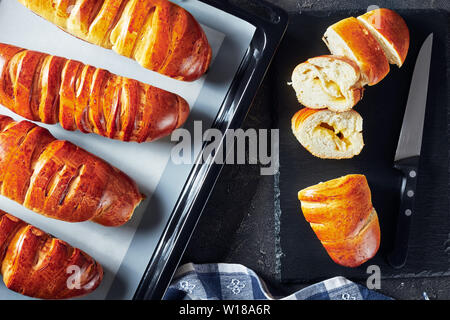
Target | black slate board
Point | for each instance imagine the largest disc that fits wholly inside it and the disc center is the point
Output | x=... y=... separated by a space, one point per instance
x=303 y=258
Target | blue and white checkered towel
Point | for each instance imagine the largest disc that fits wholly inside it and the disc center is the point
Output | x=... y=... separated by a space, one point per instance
x=236 y=282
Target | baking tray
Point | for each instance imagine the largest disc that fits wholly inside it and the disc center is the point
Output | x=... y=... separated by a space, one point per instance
x=140 y=257
x=271 y=23
x=302 y=257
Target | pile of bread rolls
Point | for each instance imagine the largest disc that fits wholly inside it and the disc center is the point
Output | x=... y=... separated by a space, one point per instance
x=330 y=86
x=60 y=180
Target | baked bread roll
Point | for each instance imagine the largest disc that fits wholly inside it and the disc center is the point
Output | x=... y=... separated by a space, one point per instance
x=60 y=180
x=391 y=31
x=36 y=264
x=341 y=214
x=159 y=35
x=328 y=82
x=350 y=38
x=327 y=134
x=50 y=89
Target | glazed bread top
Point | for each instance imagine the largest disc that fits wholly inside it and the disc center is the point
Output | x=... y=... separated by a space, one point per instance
x=338 y=208
x=350 y=38
x=51 y=89
x=159 y=35
x=341 y=213
x=391 y=31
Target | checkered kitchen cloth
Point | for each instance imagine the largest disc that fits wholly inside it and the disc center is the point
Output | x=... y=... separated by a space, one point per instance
x=236 y=282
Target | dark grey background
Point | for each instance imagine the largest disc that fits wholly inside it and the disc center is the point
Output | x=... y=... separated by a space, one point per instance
x=238 y=223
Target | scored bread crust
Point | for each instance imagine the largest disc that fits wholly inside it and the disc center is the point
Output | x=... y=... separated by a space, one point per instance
x=391 y=31
x=328 y=81
x=36 y=264
x=158 y=34
x=327 y=134
x=60 y=180
x=350 y=38
x=51 y=89
x=355 y=251
x=341 y=213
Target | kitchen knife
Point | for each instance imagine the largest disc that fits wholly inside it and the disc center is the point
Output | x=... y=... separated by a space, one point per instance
x=408 y=151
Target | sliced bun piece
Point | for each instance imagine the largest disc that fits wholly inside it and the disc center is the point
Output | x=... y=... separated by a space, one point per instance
x=327 y=134
x=391 y=31
x=352 y=252
x=331 y=82
x=350 y=38
x=341 y=213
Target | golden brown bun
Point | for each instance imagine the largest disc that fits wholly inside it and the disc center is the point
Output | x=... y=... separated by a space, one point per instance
x=50 y=89
x=159 y=35
x=341 y=214
x=35 y=264
x=328 y=81
x=59 y=179
x=350 y=38
x=391 y=31
x=327 y=134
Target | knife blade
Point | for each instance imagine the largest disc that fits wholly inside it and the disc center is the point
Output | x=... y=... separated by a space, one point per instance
x=408 y=151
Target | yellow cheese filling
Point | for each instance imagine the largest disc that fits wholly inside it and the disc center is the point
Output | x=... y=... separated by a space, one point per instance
x=338 y=136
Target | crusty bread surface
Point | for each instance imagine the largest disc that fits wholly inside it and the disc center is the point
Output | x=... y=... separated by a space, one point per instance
x=158 y=34
x=341 y=213
x=350 y=38
x=50 y=89
x=60 y=180
x=391 y=31
x=38 y=265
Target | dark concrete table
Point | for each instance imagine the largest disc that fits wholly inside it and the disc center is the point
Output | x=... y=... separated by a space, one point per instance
x=237 y=225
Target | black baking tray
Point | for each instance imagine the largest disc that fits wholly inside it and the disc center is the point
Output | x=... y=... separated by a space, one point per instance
x=271 y=23
x=303 y=258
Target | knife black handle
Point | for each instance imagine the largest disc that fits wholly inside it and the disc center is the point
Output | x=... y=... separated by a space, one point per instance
x=409 y=168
